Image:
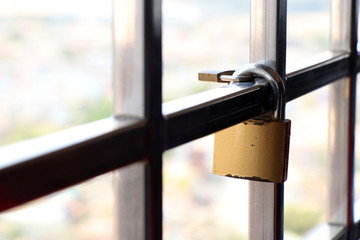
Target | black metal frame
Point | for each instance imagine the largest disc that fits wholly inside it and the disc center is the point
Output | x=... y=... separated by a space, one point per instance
x=25 y=176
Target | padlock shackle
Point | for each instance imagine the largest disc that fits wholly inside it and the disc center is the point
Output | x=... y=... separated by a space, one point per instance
x=276 y=82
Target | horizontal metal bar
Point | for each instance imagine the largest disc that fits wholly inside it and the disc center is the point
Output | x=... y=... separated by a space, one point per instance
x=196 y=116
x=35 y=168
x=318 y=75
x=349 y=233
x=358 y=63
x=201 y=114
x=326 y=231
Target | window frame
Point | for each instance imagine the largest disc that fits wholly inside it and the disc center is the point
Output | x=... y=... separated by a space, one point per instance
x=141 y=133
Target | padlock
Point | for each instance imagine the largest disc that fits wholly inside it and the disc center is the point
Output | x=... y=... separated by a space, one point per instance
x=256 y=149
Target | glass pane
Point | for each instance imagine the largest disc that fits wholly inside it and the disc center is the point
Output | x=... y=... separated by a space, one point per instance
x=81 y=212
x=198 y=204
x=202 y=35
x=55 y=65
x=308 y=28
x=307 y=186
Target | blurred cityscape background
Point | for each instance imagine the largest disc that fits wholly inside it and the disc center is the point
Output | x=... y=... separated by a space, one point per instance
x=56 y=72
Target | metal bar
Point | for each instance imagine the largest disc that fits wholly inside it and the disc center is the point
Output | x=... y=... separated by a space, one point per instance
x=342 y=115
x=356 y=55
x=22 y=177
x=281 y=22
x=129 y=184
x=40 y=166
x=201 y=114
x=299 y=82
x=268 y=46
x=338 y=151
x=128 y=70
x=153 y=106
x=350 y=233
x=129 y=99
x=308 y=79
x=204 y=113
x=352 y=108
x=185 y=120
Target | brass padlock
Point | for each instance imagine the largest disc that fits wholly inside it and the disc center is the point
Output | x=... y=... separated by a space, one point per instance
x=256 y=149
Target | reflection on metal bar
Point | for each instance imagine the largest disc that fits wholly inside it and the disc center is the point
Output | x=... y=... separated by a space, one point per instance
x=342 y=115
x=267 y=46
x=40 y=166
x=129 y=95
x=129 y=183
x=128 y=42
x=338 y=151
x=340 y=30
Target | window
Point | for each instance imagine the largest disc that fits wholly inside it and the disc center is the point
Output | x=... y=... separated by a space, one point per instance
x=142 y=127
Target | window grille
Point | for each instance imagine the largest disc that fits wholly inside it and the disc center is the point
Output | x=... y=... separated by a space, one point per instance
x=143 y=127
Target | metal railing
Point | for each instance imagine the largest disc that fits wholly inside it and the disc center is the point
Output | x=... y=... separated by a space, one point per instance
x=143 y=127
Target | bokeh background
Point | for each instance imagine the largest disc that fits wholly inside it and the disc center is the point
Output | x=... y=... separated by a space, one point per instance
x=56 y=72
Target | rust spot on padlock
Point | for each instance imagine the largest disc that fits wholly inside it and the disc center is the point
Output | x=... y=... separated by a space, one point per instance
x=233 y=176
x=249 y=178
x=253 y=178
x=260 y=123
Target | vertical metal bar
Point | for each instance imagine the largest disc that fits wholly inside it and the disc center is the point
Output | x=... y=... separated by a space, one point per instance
x=352 y=108
x=129 y=189
x=338 y=151
x=342 y=97
x=137 y=85
x=129 y=93
x=153 y=112
x=268 y=46
x=128 y=65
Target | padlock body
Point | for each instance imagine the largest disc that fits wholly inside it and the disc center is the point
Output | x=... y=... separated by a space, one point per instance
x=254 y=149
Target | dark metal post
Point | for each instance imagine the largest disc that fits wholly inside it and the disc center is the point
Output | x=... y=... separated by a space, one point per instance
x=137 y=92
x=153 y=113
